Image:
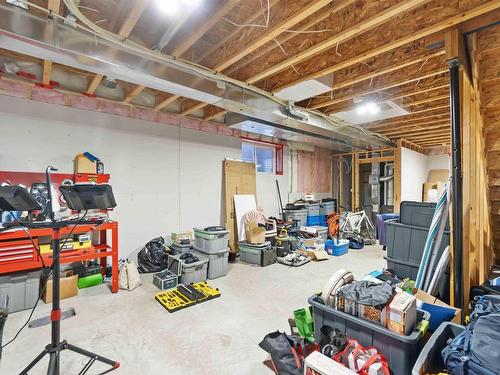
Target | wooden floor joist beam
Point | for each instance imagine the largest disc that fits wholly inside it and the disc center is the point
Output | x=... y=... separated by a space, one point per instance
x=136 y=91
x=166 y=102
x=47 y=72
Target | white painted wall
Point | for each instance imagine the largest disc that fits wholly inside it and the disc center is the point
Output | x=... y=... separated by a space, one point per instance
x=165 y=178
x=438 y=162
x=413 y=174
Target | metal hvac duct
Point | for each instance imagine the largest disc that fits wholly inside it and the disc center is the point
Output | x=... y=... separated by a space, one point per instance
x=49 y=39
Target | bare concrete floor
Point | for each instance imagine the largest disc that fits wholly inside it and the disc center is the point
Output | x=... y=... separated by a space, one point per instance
x=217 y=337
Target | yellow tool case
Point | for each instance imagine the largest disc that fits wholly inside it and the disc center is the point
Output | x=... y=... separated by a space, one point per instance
x=186 y=295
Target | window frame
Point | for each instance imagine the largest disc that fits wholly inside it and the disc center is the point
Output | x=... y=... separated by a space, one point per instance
x=277 y=162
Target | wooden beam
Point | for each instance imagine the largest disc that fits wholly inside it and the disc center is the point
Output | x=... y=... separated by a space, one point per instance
x=285 y=38
x=387 y=70
x=125 y=30
x=440 y=26
x=133 y=18
x=271 y=33
x=187 y=111
x=405 y=124
x=204 y=27
x=382 y=159
x=54 y=6
x=166 y=102
x=94 y=84
x=454 y=43
x=427 y=100
x=132 y=94
x=215 y=115
x=372 y=91
x=422 y=91
x=417 y=131
x=47 y=72
x=397 y=176
x=359 y=28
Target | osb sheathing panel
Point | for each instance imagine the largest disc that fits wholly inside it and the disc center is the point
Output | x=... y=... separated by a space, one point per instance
x=314 y=171
x=281 y=11
x=395 y=28
x=335 y=23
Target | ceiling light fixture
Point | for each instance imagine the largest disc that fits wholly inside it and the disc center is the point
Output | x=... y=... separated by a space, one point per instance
x=368 y=108
x=173 y=7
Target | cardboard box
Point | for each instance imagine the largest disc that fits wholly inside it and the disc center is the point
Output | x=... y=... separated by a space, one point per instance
x=441 y=175
x=254 y=234
x=402 y=317
x=69 y=288
x=84 y=165
x=442 y=309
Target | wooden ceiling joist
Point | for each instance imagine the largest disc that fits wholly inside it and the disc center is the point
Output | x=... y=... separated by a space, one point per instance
x=387 y=70
x=192 y=109
x=427 y=100
x=212 y=116
x=166 y=102
x=402 y=125
x=372 y=91
x=202 y=29
x=418 y=92
x=136 y=91
x=54 y=6
x=274 y=31
x=347 y=34
x=417 y=130
x=125 y=30
x=419 y=34
x=408 y=119
x=47 y=72
x=286 y=36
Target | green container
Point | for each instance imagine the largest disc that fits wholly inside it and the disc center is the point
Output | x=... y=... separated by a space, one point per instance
x=304 y=322
x=87 y=281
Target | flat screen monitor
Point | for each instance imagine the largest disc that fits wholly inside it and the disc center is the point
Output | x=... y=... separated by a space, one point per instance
x=88 y=197
x=17 y=198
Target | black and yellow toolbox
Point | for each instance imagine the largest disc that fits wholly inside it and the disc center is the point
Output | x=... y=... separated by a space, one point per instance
x=186 y=295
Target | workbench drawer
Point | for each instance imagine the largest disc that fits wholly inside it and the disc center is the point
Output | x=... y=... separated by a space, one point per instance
x=17 y=250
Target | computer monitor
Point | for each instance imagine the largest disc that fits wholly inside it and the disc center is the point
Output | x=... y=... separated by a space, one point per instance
x=17 y=198
x=88 y=197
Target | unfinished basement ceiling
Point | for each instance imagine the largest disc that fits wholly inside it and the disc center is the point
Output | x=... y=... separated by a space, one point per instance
x=375 y=51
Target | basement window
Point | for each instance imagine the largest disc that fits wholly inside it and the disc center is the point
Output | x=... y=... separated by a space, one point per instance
x=267 y=158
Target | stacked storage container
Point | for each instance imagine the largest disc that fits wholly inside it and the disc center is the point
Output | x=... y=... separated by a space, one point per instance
x=326 y=208
x=300 y=215
x=313 y=216
x=406 y=241
x=213 y=243
x=22 y=289
x=188 y=272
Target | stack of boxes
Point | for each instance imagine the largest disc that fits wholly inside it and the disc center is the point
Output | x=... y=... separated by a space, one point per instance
x=213 y=243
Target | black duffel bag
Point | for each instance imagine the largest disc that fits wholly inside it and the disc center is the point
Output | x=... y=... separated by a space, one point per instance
x=152 y=257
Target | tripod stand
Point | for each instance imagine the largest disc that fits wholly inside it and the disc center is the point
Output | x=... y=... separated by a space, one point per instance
x=79 y=198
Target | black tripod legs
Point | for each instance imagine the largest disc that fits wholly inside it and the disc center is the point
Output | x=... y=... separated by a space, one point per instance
x=54 y=353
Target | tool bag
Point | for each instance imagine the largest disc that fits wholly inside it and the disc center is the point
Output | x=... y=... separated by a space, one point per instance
x=361 y=360
x=287 y=352
x=476 y=351
x=129 y=277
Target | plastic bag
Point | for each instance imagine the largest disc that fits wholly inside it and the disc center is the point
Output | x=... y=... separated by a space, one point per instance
x=129 y=277
x=368 y=293
x=152 y=257
x=332 y=341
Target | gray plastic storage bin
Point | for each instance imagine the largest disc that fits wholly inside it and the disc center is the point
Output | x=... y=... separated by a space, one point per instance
x=430 y=359
x=406 y=243
x=217 y=263
x=189 y=273
x=418 y=214
x=400 y=351
x=211 y=242
x=254 y=253
x=313 y=209
x=299 y=215
x=22 y=289
x=326 y=208
x=181 y=248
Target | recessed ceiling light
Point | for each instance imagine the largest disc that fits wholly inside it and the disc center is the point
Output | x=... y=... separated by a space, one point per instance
x=173 y=7
x=368 y=108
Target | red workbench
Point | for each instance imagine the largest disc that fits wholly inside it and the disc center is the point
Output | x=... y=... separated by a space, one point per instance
x=17 y=252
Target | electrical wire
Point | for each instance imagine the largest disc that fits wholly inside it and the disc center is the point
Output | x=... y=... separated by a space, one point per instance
x=45 y=286
x=37 y=249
